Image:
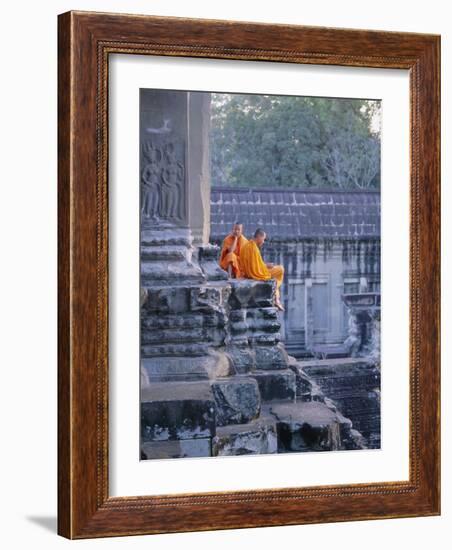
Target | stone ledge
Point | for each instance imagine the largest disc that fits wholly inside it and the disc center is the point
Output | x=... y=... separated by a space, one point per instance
x=178 y=369
x=255 y=437
x=275 y=384
x=308 y=426
x=237 y=400
x=248 y=293
x=177 y=410
x=183 y=448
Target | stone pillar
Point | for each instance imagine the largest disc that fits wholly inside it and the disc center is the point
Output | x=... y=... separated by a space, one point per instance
x=199 y=166
x=177 y=327
x=182 y=315
x=375 y=335
x=174 y=162
x=308 y=314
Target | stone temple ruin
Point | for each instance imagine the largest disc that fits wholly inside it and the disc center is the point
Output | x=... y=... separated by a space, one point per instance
x=216 y=378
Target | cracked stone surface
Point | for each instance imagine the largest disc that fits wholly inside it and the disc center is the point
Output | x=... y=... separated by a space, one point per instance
x=255 y=437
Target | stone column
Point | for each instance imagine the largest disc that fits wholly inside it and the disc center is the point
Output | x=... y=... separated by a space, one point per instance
x=174 y=161
x=308 y=314
x=182 y=315
x=199 y=166
x=178 y=325
x=375 y=335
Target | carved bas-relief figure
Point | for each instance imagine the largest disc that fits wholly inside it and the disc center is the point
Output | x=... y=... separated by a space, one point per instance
x=162 y=182
x=150 y=182
x=172 y=180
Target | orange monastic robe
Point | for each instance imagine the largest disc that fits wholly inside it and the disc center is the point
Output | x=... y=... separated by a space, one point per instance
x=253 y=266
x=232 y=258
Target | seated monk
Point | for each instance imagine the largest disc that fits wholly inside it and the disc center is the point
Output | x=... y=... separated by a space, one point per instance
x=231 y=249
x=254 y=267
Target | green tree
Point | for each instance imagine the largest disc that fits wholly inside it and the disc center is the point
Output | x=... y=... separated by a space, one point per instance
x=260 y=140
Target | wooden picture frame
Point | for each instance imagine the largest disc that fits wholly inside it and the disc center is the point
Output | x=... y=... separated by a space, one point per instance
x=85 y=42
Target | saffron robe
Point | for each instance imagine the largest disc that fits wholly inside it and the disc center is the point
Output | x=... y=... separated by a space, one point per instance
x=232 y=258
x=253 y=266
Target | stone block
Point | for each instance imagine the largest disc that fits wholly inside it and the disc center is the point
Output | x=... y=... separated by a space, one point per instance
x=242 y=358
x=264 y=338
x=168 y=300
x=173 y=349
x=263 y=320
x=177 y=410
x=238 y=325
x=271 y=357
x=306 y=388
x=255 y=437
x=237 y=400
x=176 y=335
x=247 y=293
x=184 y=448
x=309 y=426
x=209 y=298
x=170 y=272
x=165 y=236
x=173 y=369
x=152 y=322
x=208 y=259
x=275 y=385
x=164 y=253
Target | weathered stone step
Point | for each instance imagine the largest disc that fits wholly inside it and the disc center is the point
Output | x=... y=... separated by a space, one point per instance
x=247 y=293
x=184 y=448
x=275 y=384
x=353 y=385
x=255 y=437
x=168 y=253
x=181 y=321
x=174 y=350
x=177 y=410
x=309 y=426
x=184 y=299
x=164 y=236
x=167 y=369
x=209 y=256
x=271 y=357
x=154 y=273
x=237 y=400
x=212 y=336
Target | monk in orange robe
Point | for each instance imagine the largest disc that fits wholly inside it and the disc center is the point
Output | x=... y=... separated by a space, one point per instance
x=254 y=267
x=231 y=249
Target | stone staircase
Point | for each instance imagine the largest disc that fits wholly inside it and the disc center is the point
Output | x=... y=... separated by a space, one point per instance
x=217 y=381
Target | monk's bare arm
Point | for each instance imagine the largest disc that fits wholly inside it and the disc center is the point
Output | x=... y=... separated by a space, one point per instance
x=233 y=245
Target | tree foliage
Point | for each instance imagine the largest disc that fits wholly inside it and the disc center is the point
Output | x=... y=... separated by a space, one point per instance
x=261 y=140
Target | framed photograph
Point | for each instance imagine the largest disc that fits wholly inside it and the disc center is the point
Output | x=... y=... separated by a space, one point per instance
x=248 y=274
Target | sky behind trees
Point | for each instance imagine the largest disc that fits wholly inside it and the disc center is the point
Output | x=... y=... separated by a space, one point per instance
x=288 y=141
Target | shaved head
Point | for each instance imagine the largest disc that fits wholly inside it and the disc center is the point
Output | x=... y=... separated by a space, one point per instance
x=260 y=236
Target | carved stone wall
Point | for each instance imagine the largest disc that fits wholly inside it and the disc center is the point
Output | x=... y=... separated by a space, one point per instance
x=174 y=161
